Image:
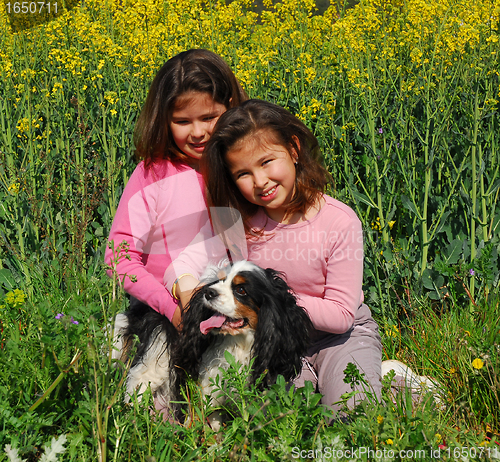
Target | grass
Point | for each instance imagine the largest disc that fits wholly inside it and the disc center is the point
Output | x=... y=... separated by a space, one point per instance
x=404 y=100
x=85 y=401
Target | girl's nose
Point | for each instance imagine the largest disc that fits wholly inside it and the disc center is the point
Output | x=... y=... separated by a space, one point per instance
x=198 y=130
x=260 y=179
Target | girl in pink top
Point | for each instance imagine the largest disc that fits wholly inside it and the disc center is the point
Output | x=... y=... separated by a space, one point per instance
x=265 y=163
x=163 y=205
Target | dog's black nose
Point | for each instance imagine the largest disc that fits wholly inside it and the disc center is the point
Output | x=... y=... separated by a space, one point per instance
x=210 y=294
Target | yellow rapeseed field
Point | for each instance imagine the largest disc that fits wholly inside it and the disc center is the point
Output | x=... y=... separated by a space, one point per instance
x=135 y=37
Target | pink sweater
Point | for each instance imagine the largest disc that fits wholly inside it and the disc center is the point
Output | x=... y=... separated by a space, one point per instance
x=322 y=259
x=160 y=212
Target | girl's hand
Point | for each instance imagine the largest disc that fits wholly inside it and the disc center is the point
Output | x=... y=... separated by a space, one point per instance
x=184 y=290
x=177 y=318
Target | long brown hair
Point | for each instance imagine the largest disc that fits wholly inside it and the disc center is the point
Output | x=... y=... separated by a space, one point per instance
x=194 y=70
x=253 y=118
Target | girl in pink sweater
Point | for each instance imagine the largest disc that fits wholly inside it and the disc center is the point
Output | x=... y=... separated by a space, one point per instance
x=265 y=163
x=163 y=205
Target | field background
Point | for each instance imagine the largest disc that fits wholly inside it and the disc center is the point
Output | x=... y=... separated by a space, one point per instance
x=403 y=97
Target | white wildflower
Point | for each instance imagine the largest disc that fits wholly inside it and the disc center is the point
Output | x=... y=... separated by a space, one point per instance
x=56 y=447
x=12 y=454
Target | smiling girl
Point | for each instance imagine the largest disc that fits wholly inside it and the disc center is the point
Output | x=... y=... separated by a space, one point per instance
x=265 y=163
x=163 y=205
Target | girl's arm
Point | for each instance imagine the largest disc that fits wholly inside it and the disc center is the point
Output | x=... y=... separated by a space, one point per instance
x=207 y=249
x=336 y=309
x=124 y=257
x=194 y=258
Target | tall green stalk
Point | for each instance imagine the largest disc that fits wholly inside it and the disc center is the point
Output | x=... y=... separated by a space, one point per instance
x=427 y=184
x=475 y=131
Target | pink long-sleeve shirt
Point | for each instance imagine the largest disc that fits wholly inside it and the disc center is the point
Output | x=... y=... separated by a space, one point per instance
x=160 y=212
x=322 y=259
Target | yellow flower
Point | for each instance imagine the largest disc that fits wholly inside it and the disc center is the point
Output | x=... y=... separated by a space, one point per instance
x=453 y=370
x=111 y=97
x=310 y=74
x=14 y=188
x=376 y=224
x=23 y=125
x=380 y=419
x=477 y=363
x=15 y=298
x=438 y=437
x=391 y=330
x=389 y=441
x=56 y=88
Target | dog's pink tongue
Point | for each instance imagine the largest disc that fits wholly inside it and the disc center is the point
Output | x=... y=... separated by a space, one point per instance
x=214 y=322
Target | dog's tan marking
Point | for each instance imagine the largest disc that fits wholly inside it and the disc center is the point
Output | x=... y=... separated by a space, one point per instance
x=239 y=279
x=244 y=311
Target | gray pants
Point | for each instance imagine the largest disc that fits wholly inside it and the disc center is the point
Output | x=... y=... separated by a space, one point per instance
x=328 y=357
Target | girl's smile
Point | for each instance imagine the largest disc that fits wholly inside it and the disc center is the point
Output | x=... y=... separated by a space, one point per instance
x=264 y=172
x=270 y=194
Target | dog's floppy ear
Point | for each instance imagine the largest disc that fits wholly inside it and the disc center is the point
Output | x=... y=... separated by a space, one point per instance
x=282 y=335
x=192 y=343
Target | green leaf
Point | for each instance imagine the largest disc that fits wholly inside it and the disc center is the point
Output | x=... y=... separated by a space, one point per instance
x=230 y=359
x=6 y=279
x=360 y=197
x=410 y=205
x=493 y=188
x=427 y=279
x=453 y=252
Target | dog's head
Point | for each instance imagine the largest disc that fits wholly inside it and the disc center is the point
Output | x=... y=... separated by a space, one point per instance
x=234 y=297
x=242 y=297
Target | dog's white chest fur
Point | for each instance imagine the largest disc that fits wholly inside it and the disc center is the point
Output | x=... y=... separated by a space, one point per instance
x=214 y=359
x=239 y=346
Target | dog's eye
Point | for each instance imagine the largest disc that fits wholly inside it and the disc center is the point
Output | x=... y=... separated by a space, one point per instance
x=240 y=290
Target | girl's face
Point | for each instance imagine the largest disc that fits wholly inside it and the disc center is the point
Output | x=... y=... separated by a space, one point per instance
x=192 y=122
x=264 y=172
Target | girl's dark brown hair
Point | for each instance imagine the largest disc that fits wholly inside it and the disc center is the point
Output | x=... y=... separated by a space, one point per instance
x=260 y=118
x=195 y=70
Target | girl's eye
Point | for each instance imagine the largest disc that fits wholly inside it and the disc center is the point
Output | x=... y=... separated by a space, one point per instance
x=240 y=290
x=181 y=122
x=240 y=175
x=266 y=161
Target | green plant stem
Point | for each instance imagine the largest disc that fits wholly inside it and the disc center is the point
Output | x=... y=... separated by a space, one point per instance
x=427 y=183
x=474 y=191
x=378 y=179
x=7 y=137
x=56 y=382
x=484 y=221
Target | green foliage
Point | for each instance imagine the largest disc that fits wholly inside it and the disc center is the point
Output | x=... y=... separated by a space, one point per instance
x=264 y=425
x=87 y=404
x=462 y=338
